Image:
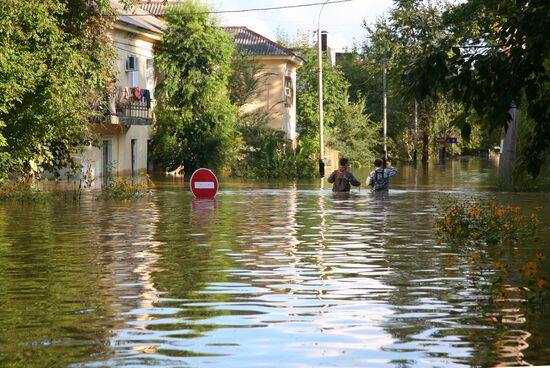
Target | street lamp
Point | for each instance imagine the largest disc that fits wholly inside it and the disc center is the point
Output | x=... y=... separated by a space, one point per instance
x=321 y=113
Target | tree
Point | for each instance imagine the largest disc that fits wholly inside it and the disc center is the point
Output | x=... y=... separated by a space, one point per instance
x=195 y=118
x=55 y=61
x=495 y=55
x=335 y=94
x=355 y=136
x=410 y=28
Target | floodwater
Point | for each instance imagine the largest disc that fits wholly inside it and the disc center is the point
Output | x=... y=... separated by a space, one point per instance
x=270 y=274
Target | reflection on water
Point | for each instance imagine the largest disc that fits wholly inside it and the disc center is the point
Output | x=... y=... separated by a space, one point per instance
x=268 y=274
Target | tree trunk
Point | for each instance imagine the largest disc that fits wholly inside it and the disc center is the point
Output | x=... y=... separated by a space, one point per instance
x=508 y=145
x=425 y=147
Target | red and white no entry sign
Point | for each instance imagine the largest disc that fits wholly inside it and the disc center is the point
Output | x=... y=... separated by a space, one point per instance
x=204 y=183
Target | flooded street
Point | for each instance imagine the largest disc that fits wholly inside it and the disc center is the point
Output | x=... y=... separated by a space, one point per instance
x=270 y=274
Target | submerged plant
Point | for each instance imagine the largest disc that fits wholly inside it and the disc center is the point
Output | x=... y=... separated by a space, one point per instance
x=475 y=223
x=21 y=190
x=480 y=230
x=125 y=189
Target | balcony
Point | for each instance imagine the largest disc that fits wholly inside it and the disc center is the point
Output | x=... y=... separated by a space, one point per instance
x=127 y=106
x=136 y=113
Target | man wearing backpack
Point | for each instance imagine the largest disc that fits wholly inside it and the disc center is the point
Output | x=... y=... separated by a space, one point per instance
x=379 y=177
x=342 y=178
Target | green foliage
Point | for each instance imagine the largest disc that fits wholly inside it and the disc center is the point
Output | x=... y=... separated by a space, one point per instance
x=335 y=95
x=355 y=135
x=123 y=189
x=54 y=63
x=245 y=79
x=480 y=229
x=472 y=222
x=410 y=28
x=267 y=154
x=489 y=60
x=195 y=119
x=21 y=190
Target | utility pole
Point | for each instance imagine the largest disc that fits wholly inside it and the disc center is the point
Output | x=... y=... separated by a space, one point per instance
x=321 y=113
x=385 y=111
x=415 y=129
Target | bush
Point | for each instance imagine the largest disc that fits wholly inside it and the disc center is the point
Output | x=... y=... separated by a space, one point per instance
x=473 y=222
x=481 y=229
x=21 y=190
x=125 y=189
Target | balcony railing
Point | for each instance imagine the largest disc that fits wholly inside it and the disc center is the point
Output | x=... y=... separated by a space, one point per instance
x=126 y=107
x=136 y=113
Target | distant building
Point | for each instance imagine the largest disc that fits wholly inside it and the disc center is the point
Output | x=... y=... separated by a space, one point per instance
x=124 y=131
x=277 y=95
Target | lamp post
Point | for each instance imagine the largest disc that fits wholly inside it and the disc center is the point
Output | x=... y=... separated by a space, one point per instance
x=321 y=113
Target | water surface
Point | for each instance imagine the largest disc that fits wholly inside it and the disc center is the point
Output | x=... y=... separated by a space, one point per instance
x=270 y=274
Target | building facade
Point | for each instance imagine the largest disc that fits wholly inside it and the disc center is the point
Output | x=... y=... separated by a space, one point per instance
x=277 y=75
x=123 y=133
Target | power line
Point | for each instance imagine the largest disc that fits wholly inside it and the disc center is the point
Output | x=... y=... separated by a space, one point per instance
x=237 y=11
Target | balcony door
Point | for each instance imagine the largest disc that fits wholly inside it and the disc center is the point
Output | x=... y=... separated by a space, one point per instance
x=107 y=153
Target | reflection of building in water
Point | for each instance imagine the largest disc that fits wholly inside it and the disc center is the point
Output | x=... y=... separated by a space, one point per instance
x=128 y=256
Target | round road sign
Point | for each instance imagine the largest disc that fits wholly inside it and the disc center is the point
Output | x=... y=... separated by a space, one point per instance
x=204 y=183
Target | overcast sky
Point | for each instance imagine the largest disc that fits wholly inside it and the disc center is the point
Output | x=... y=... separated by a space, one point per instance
x=343 y=20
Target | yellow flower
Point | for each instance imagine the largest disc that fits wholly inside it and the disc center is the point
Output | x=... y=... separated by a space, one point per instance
x=472 y=259
x=501 y=266
x=476 y=235
x=543 y=284
x=530 y=266
x=530 y=273
x=534 y=217
x=539 y=256
x=474 y=212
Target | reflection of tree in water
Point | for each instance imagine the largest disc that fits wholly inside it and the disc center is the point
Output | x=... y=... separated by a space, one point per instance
x=444 y=299
x=59 y=266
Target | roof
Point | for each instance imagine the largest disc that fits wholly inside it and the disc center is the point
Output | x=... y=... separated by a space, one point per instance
x=251 y=42
x=142 y=18
x=246 y=40
x=158 y=8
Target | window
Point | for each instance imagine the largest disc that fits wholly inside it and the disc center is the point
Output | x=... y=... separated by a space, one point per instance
x=289 y=92
x=132 y=67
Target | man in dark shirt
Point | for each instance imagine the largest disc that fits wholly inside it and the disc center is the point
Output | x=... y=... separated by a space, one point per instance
x=342 y=178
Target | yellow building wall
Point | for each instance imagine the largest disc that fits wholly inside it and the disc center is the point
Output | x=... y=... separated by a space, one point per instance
x=271 y=96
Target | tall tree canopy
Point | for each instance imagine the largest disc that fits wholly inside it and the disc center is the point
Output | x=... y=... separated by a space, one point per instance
x=410 y=28
x=495 y=55
x=55 y=63
x=195 y=118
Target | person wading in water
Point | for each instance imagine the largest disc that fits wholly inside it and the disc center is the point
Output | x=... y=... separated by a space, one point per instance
x=342 y=178
x=379 y=177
